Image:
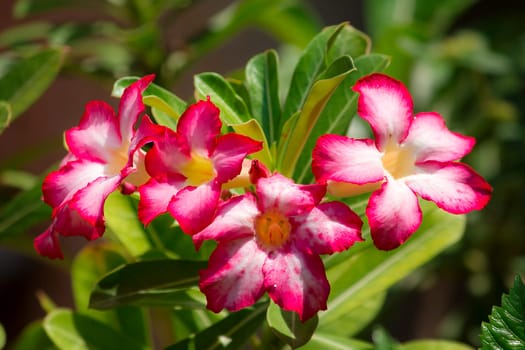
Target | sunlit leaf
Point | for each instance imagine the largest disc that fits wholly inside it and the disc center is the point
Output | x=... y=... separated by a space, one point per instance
x=69 y=330
x=291 y=147
x=169 y=107
x=262 y=82
x=232 y=107
x=150 y=282
x=336 y=116
x=253 y=129
x=33 y=337
x=506 y=327
x=27 y=79
x=230 y=333
x=368 y=271
x=287 y=326
x=120 y=213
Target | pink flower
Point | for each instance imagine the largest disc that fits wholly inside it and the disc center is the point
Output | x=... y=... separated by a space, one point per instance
x=270 y=242
x=411 y=155
x=104 y=150
x=189 y=166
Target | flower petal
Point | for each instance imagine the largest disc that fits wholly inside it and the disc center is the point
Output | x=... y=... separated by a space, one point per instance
x=289 y=198
x=47 y=244
x=155 y=197
x=68 y=222
x=234 y=278
x=430 y=139
x=454 y=187
x=89 y=201
x=386 y=104
x=168 y=155
x=393 y=215
x=229 y=153
x=296 y=282
x=131 y=106
x=343 y=159
x=234 y=219
x=328 y=228
x=59 y=186
x=96 y=135
x=200 y=125
x=194 y=207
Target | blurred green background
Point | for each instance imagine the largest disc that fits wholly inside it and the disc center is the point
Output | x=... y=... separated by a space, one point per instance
x=462 y=58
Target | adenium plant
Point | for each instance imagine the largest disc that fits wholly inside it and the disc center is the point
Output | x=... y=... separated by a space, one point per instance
x=218 y=174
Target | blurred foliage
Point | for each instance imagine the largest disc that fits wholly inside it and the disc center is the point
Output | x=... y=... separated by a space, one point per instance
x=465 y=59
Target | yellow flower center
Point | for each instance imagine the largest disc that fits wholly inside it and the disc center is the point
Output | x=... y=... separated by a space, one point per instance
x=198 y=170
x=398 y=160
x=272 y=229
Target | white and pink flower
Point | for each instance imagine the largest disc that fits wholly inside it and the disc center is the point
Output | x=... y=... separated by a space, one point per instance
x=270 y=242
x=189 y=166
x=411 y=155
x=104 y=152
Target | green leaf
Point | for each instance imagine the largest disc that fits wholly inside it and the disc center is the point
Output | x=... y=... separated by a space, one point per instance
x=69 y=330
x=367 y=271
x=24 y=33
x=253 y=129
x=310 y=65
x=434 y=345
x=27 y=79
x=262 y=82
x=232 y=107
x=120 y=213
x=230 y=333
x=287 y=326
x=33 y=337
x=22 y=212
x=290 y=148
x=336 y=116
x=5 y=115
x=506 y=326
x=93 y=261
x=2 y=336
x=323 y=340
x=349 y=42
x=150 y=282
x=355 y=320
x=167 y=107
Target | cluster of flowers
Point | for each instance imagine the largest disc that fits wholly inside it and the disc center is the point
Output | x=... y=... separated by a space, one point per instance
x=270 y=237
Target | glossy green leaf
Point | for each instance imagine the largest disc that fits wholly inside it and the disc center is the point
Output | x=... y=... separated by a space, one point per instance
x=150 y=282
x=291 y=147
x=435 y=345
x=22 y=212
x=5 y=115
x=254 y=130
x=94 y=261
x=324 y=341
x=287 y=326
x=262 y=82
x=230 y=333
x=167 y=107
x=33 y=337
x=369 y=271
x=506 y=326
x=355 y=320
x=336 y=116
x=232 y=107
x=349 y=42
x=69 y=330
x=120 y=213
x=27 y=79
x=310 y=65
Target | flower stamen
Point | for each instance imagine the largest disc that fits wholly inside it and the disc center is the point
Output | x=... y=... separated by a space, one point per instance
x=272 y=229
